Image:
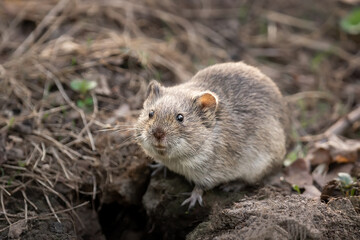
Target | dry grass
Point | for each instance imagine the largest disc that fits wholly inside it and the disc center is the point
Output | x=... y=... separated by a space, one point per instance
x=47 y=139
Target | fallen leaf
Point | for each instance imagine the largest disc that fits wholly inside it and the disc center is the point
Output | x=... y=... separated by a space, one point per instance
x=334 y=149
x=317 y=156
x=331 y=190
x=16 y=229
x=343 y=150
x=341 y=159
x=298 y=173
x=323 y=178
x=311 y=192
x=63 y=48
x=122 y=111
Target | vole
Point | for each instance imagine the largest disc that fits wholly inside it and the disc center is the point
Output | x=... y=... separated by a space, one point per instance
x=226 y=123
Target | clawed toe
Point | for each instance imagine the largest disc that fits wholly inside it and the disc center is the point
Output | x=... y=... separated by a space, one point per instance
x=158 y=167
x=196 y=196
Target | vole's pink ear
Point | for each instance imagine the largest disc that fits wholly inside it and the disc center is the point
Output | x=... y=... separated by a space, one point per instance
x=207 y=101
x=154 y=89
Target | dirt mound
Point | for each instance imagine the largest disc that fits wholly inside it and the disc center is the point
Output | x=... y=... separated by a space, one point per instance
x=281 y=217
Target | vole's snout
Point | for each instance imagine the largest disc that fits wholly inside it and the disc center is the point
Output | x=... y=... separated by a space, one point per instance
x=158 y=133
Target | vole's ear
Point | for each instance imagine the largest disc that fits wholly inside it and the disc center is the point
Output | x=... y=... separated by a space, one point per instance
x=153 y=92
x=154 y=89
x=207 y=101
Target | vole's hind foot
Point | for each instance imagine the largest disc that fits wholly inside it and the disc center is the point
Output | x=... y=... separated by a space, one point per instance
x=158 y=167
x=196 y=196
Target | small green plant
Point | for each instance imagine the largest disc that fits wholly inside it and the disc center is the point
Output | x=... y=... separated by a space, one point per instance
x=319 y=58
x=347 y=184
x=10 y=181
x=290 y=158
x=46 y=116
x=73 y=61
x=296 y=188
x=11 y=122
x=83 y=87
x=297 y=152
x=21 y=163
x=86 y=103
x=351 y=22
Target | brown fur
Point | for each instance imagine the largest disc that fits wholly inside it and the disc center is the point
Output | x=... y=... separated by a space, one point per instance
x=233 y=126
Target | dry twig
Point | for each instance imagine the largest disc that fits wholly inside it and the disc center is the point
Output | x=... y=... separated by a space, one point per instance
x=337 y=128
x=42 y=25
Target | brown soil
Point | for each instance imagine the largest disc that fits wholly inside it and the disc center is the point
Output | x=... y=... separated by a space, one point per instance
x=274 y=216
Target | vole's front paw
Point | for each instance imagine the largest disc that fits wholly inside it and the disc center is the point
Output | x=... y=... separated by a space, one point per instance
x=158 y=167
x=196 y=196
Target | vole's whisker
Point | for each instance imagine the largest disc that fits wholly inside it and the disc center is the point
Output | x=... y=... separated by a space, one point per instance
x=125 y=142
x=125 y=130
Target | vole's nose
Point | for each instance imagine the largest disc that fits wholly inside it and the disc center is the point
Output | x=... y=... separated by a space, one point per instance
x=158 y=133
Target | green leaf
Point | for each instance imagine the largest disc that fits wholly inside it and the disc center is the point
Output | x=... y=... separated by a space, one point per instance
x=89 y=101
x=290 y=158
x=73 y=61
x=317 y=60
x=86 y=104
x=296 y=188
x=352 y=193
x=82 y=85
x=351 y=22
x=91 y=85
x=45 y=116
x=11 y=122
x=80 y=104
x=77 y=84
x=293 y=155
x=21 y=163
x=345 y=179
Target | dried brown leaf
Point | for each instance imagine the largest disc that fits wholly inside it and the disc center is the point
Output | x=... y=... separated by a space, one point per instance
x=318 y=156
x=298 y=173
x=311 y=192
x=335 y=149
x=16 y=229
x=323 y=179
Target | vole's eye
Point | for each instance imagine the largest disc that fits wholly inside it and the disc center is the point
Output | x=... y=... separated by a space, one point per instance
x=180 y=118
x=151 y=114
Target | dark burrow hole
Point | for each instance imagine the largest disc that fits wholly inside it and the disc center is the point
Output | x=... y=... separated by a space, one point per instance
x=120 y=222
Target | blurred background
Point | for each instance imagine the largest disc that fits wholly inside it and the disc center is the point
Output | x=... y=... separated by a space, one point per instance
x=71 y=68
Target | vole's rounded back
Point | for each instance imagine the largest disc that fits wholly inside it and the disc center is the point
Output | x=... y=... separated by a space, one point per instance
x=226 y=123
